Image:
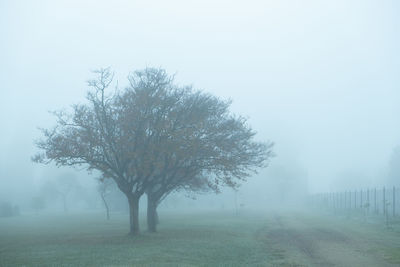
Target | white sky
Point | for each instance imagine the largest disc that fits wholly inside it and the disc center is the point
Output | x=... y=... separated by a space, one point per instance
x=320 y=78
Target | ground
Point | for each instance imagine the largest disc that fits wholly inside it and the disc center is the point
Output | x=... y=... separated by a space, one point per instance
x=199 y=239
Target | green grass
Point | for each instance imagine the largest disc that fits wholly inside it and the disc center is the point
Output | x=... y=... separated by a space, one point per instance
x=205 y=239
x=198 y=239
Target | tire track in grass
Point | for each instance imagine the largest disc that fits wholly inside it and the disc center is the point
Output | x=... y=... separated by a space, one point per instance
x=299 y=246
x=295 y=241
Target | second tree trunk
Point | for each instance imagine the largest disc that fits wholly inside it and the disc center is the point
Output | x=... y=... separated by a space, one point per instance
x=133 y=214
x=152 y=216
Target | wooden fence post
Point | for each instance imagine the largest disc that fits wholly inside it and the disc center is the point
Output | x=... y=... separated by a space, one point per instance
x=334 y=200
x=349 y=199
x=384 y=201
x=342 y=200
x=394 y=201
x=355 y=199
x=375 y=201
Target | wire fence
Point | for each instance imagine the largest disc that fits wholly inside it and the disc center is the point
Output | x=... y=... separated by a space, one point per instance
x=383 y=201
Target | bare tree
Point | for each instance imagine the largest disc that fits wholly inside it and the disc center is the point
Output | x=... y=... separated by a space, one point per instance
x=60 y=188
x=104 y=188
x=65 y=185
x=154 y=137
x=38 y=203
x=105 y=135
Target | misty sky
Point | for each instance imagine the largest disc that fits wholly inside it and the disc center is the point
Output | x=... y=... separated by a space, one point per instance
x=319 y=78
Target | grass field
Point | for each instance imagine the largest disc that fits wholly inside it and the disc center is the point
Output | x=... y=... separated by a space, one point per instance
x=198 y=239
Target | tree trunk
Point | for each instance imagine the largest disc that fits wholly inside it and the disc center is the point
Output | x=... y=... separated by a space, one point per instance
x=152 y=216
x=133 y=214
x=105 y=204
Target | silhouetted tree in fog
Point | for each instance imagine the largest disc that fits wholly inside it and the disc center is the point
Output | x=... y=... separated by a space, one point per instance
x=60 y=188
x=38 y=203
x=154 y=137
x=104 y=188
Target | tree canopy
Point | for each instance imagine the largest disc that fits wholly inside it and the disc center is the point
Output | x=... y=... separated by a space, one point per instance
x=154 y=137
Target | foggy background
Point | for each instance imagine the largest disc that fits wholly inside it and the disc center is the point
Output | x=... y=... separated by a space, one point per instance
x=319 y=78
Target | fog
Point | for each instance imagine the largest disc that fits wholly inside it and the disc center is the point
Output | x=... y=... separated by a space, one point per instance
x=320 y=79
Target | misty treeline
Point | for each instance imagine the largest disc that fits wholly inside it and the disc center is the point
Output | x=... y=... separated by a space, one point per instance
x=59 y=188
x=152 y=138
x=7 y=209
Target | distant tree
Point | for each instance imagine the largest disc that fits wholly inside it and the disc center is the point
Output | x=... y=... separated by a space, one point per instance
x=154 y=137
x=65 y=185
x=104 y=187
x=6 y=209
x=38 y=203
x=60 y=188
x=16 y=210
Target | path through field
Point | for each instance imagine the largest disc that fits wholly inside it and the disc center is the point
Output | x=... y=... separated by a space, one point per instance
x=315 y=241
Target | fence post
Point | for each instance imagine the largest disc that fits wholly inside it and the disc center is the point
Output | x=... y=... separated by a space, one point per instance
x=355 y=199
x=369 y=204
x=375 y=201
x=326 y=197
x=361 y=200
x=394 y=201
x=333 y=200
x=341 y=200
x=349 y=199
x=384 y=201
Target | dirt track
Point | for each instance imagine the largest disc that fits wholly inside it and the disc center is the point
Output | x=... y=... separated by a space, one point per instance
x=300 y=241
